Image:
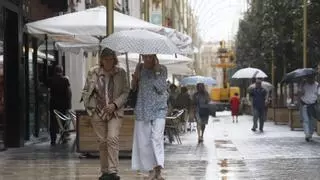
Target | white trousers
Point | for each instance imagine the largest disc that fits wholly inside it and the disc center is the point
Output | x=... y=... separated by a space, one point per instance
x=148 y=145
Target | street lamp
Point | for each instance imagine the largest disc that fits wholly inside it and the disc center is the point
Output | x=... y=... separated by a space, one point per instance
x=305 y=33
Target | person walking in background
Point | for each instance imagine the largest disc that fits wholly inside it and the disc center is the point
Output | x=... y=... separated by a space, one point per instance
x=308 y=92
x=259 y=101
x=151 y=111
x=104 y=95
x=201 y=101
x=173 y=94
x=60 y=99
x=235 y=105
x=183 y=101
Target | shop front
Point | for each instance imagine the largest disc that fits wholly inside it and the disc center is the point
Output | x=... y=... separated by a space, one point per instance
x=12 y=76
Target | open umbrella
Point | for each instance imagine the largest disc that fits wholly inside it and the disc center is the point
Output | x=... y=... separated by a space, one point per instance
x=88 y=27
x=266 y=85
x=163 y=58
x=297 y=74
x=141 y=42
x=248 y=73
x=194 y=80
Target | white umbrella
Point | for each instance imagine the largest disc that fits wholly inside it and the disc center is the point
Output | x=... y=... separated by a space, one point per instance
x=163 y=58
x=141 y=42
x=175 y=68
x=249 y=73
x=194 y=80
x=80 y=27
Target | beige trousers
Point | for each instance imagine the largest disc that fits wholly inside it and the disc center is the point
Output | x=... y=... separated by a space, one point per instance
x=108 y=137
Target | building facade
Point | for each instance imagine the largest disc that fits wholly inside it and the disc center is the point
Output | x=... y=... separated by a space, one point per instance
x=21 y=76
x=12 y=86
x=208 y=58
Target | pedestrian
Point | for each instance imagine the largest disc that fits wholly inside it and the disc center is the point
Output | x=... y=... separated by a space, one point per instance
x=60 y=100
x=308 y=93
x=235 y=106
x=173 y=94
x=151 y=110
x=201 y=101
x=183 y=102
x=104 y=95
x=259 y=101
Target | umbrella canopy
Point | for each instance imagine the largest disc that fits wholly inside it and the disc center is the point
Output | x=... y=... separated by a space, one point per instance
x=297 y=74
x=248 y=73
x=266 y=85
x=194 y=80
x=76 y=27
x=91 y=22
x=141 y=42
x=163 y=58
x=173 y=68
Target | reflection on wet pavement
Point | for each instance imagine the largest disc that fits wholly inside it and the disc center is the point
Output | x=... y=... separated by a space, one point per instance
x=229 y=152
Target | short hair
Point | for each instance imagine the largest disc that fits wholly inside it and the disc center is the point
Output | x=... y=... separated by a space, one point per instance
x=200 y=85
x=172 y=86
x=184 y=89
x=236 y=94
x=58 y=69
x=108 y=52
x=258 y=81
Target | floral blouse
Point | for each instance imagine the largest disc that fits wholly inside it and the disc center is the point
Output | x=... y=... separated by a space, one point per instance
x=152 y=95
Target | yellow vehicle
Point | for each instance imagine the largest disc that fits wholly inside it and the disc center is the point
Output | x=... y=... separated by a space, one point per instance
x=220 y=96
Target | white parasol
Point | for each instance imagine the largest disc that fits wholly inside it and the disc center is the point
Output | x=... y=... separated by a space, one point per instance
x=89 y=27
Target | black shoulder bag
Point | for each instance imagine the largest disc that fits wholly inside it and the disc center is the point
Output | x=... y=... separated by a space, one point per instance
x=133 y=94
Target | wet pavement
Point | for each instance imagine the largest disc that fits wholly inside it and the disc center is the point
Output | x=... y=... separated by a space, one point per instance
x=230 y=152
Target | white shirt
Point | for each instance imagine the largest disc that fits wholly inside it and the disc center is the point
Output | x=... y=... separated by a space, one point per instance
x=311 y=93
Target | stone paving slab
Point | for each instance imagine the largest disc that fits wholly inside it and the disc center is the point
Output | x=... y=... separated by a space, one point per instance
x=230 y=152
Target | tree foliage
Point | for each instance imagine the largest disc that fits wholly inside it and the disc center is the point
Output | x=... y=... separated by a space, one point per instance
x=273 y=28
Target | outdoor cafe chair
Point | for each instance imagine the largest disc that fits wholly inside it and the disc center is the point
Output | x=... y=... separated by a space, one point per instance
x=73 y=119
x=172 y=126
x=63 y=127
x=74 y=123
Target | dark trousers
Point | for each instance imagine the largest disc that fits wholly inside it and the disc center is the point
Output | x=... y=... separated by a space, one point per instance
x=258 y=113
x=54 y=126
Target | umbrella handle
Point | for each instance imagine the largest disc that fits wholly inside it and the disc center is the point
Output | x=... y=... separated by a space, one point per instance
x=255 y=74
x=140 y=57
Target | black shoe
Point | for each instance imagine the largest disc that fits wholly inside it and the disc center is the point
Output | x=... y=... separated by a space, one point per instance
x=114 y=176
x=308 y=139
x=107 y=176
x=253 y=129
x=104 y=176
x=261 y=130
x=53 y=143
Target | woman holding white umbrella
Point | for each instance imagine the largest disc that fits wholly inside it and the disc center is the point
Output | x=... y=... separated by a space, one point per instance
x=151 y=110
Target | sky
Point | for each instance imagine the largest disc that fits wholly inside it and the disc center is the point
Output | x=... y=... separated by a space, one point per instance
x=218 y=19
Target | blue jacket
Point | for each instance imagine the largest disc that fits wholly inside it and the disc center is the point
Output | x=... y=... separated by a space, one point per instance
x=258 y=96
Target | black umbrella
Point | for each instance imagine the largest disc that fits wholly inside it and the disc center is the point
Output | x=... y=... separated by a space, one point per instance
x=297 y=74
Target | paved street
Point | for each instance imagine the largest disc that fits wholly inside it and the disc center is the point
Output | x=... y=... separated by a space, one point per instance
x=229 y=152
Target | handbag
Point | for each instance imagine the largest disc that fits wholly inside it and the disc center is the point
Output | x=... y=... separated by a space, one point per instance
x=204 y=112
x=133 y=94
x=132 y=98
